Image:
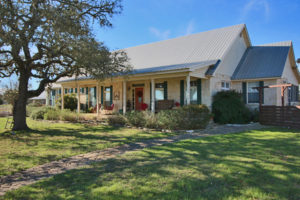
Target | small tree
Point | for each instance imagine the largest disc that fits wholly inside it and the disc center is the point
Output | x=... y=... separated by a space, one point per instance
x=51 y=39
x=70 y=102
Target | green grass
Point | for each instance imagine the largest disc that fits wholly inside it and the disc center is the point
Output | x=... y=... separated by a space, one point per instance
x=257 y=165
x=53 y=141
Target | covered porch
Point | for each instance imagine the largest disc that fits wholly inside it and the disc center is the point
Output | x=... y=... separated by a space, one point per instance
x=142 y=92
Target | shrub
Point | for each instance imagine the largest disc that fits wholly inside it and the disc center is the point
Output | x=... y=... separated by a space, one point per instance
x=169 y=119
x=68 y=115
x=136 y=118
x=70 y=102
x=186 y=117
x=228 y=107
x=117 y=120
x=52 y=114
x=151 y=120
x=194 y=116
x=39 y=113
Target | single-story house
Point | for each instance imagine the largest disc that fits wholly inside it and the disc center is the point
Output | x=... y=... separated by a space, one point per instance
x=190 y=70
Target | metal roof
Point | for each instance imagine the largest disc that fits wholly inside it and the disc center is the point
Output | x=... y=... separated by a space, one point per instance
x=199 y=47
x=185 y=66
x=266 y=61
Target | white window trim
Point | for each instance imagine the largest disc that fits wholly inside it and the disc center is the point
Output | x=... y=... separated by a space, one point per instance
x=225 y=88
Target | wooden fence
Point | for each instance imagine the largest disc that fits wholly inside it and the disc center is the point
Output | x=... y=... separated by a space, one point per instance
x=287 y=116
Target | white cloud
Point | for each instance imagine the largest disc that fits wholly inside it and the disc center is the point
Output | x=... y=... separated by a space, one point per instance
x=163 y=35
x=190 y=28
x=256 y=5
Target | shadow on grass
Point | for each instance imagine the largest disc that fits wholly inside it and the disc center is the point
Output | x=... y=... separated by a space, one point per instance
x=235 y=166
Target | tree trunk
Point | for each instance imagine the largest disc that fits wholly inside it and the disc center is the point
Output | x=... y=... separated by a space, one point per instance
x=19 y=107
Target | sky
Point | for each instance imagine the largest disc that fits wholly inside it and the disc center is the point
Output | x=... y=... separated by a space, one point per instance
x=146 y=21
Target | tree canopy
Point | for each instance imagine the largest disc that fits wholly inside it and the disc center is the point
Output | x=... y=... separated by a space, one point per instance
x=50 y=39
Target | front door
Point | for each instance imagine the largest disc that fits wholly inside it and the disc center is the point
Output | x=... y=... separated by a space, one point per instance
x=139 y=98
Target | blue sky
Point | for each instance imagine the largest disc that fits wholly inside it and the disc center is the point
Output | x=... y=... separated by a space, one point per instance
x=146 y=21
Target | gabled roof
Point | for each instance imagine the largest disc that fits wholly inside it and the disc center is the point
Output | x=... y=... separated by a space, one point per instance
x=199 y=47
x=264 y=61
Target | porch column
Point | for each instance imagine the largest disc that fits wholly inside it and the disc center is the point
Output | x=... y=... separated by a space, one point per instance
x=97 y=98
x=188 y=89
x=152 y=96
x=124 y=97
x=62 y=97
x=48 y=92
x=78 y=99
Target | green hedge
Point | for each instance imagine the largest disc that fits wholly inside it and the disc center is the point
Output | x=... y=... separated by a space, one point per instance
x=228 y=107
x=186 y=117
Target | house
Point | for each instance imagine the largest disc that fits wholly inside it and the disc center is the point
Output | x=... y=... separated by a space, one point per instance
x=190 y=70
x=40 y=100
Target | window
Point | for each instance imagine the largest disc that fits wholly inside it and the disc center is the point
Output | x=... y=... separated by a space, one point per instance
x=159 y=91
x=193 y=92
x=293 y=93
x=107 y=96
x=253 y=94
x=81 y=90
x=225 y=85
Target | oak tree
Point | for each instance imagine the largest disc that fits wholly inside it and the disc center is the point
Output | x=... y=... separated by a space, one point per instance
x=51 y=39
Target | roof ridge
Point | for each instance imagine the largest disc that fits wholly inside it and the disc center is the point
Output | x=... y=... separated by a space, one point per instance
x=184 y=36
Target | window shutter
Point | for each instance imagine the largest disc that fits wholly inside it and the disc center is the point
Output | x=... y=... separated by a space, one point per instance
x=297 y=93
x=59 y=91
x=111 y=95
x=66 y=91
x=87 y=99
x=71 y=90
x=75 y=90
x=102 y=95
x=261 y=84
x=95 y=92
x=181 y=92
x=165 y=90
x=150 y=96
x=199 y=90
x=244 y=88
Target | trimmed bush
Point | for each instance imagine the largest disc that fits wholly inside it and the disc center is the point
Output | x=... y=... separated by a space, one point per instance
x=117 y=120
x=228 y=107
x=186 y=117
x=136 y=118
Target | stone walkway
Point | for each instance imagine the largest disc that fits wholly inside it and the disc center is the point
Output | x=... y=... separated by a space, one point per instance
x=34 y=174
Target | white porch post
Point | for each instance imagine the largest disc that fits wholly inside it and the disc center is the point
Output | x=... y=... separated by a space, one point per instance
x=152 y=96
x=124 y=97
x=188 y=89
x=47 y=96
x=97 y=98
x=62 y=97
x=78 y=99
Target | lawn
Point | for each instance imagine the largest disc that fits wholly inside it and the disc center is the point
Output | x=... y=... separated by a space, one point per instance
x=260 y=165
x=53 y=141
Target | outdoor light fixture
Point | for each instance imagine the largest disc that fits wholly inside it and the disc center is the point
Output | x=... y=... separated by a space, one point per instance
x=298 y=60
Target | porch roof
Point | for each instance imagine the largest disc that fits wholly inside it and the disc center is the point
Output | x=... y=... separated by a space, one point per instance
x=189 y=67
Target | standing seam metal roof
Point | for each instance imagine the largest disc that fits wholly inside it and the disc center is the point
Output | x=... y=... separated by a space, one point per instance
x=262 y=62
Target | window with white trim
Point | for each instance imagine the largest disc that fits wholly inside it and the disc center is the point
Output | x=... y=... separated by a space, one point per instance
x=225 y=85
x=253 y=94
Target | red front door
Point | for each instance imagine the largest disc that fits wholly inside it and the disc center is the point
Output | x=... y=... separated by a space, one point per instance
x=139 y=98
